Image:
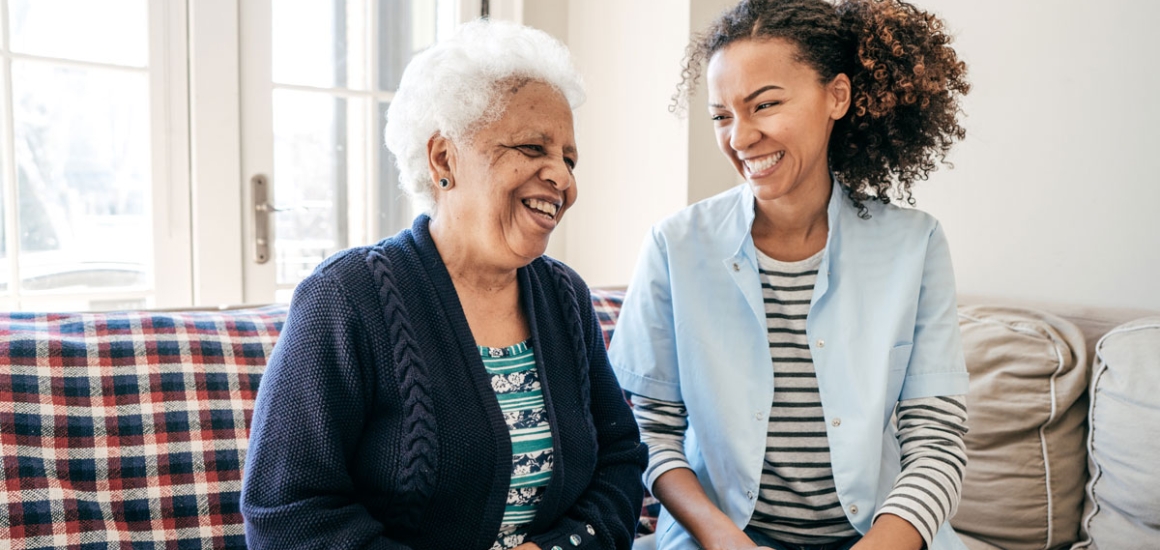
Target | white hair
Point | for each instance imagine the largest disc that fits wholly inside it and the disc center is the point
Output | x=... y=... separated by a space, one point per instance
x=452 y=89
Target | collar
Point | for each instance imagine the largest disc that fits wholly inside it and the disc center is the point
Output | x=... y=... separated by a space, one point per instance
x=743 y=266
x=739 y=223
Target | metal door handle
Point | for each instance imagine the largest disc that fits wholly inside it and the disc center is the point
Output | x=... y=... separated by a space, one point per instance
x=259 y=186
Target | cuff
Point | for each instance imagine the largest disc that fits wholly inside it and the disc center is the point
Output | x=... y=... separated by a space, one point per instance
x=568 y=534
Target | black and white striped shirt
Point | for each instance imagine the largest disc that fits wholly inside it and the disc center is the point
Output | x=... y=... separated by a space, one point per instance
x=798 y=502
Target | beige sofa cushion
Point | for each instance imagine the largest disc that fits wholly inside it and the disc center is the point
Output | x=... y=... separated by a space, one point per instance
x=1023 y=487
x=1123 y=507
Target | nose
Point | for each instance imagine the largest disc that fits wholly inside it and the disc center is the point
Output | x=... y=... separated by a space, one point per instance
x=557 y=173
x=743 y=134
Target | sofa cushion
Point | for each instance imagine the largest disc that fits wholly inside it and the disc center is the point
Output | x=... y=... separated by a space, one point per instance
x=1123 y=508
x=128 y=429
x=1023 y=487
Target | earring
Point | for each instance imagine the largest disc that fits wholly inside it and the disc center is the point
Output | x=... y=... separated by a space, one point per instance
x=444 y=183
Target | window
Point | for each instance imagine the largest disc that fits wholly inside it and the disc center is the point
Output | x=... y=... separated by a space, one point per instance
x=126 y=155
x=334 y=67
x=80 y=154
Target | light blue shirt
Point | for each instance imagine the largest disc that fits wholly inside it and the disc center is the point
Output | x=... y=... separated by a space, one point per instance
x=882 y=327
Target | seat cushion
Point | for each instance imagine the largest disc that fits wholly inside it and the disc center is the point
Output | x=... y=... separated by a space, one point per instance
x=1123 y=507
x=1023 y=486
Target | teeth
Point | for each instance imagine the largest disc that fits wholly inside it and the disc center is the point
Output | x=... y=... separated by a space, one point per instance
x=764 y=163
x=542 y=206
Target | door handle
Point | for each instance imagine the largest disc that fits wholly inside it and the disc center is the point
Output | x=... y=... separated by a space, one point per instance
x=260 y=189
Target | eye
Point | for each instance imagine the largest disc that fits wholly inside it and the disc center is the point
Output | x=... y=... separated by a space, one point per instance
x=768 y=104
x=718 y=118
x=531 y=149
x=571 y=163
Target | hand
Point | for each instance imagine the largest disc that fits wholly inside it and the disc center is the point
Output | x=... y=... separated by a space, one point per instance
x=527 y=546
x=892 y=532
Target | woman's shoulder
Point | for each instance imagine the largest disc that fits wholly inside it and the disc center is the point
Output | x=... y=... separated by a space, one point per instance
x=887 y=228
x=891 y=218
x=707 y=212
x=360 y=269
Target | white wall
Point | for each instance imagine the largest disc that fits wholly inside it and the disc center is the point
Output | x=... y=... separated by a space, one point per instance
x=1055 y=194
x=638 y=162
x=633 y=153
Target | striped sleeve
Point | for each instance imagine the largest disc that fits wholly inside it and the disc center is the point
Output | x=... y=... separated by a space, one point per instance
x=662 y=428
x=930 y=432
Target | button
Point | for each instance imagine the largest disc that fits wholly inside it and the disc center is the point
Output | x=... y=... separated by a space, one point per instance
x=736 y=267
x=749 y=494
x=821 y=343
x=854 y=509
x=575 y=540
x=836 y=422
x=557 y=548
x=591 y=530
x=757 y=415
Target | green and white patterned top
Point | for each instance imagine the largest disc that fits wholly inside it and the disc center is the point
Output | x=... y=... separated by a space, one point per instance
x=516 y=383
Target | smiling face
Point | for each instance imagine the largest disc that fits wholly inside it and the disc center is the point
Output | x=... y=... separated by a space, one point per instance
x=773 y=116
x=511 y=180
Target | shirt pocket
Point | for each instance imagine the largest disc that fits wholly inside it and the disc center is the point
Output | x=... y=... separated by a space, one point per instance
x=897 y=361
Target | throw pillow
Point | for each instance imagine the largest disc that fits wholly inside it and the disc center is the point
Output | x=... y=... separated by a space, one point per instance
x=1123 y=506
x=1023 y=486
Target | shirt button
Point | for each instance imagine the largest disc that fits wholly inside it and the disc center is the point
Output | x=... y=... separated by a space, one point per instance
x=736 y=267
x=836 y=422
x=821 y=343
x=757 y=415
x=749 y=494
x=591 y=530
x=854 y=509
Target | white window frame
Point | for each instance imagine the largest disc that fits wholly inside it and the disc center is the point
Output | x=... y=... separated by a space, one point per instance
x=169 y=146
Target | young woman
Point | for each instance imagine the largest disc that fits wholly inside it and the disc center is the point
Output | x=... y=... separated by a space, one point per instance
x=792 y=343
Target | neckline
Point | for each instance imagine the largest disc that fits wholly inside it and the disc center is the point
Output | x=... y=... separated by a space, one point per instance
x=506 y=351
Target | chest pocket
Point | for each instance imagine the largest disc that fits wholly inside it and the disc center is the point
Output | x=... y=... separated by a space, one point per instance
x=897 y=360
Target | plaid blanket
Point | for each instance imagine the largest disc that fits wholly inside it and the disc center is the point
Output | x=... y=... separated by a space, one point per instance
x=128 y=430
x=607 y=304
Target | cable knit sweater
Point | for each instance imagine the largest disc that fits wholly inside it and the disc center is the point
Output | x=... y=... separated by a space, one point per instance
x=376 y=426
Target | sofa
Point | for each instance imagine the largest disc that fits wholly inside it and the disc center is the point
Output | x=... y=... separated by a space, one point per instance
x=128 y=430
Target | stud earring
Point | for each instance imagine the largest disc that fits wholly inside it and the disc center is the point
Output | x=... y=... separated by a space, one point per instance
x=444 y=183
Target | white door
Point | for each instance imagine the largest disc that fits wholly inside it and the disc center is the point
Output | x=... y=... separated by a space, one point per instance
x=317 y=77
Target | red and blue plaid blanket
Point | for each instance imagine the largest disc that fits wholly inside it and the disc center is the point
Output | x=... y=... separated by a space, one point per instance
x=129 y=430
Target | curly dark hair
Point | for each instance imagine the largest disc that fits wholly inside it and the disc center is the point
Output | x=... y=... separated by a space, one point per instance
x=906 y=83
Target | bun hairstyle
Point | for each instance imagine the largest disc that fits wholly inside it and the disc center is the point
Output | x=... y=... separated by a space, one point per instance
x=906 y=82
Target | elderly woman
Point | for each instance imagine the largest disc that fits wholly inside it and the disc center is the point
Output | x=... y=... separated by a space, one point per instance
x=786 y=321
x=448 y=387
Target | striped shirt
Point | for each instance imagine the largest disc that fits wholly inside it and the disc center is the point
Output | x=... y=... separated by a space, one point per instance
x=521 y=399
x=798 y=502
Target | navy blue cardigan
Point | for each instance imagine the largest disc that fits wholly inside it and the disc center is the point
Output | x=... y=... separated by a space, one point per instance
x=376 y=425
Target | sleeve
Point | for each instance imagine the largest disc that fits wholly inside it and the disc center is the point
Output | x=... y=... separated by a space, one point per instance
x=662 y=427
x=643 y=351
x=937 y=366
x=606 y=513
x=926 y=492
x=308 y=417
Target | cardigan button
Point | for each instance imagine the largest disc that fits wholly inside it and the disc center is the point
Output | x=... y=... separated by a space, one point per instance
x=557 y=548
x=575 y=540
x=591 y=530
